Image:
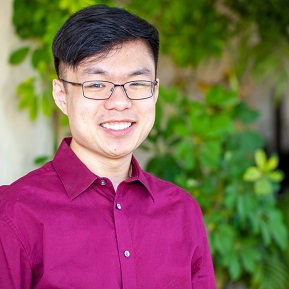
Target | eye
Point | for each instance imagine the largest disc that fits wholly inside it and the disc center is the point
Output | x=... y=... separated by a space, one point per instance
x=93 y=85
x=139 y=84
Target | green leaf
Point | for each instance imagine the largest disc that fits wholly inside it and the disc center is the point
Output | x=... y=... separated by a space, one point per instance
x=185 y=152
x=41 y=160
x=64 y=120
x=235 y=268
x=245 y=205
x=221 y=124
x=261 y=159
x=231 y=196
x=276 y=176
x=263 y=187
x=199 y=119
x=223 y=239
x=265 y=230
x=272 y=163
x=248 y=141
x=210 y=154
x=278 y=229
x=76 y=5
x=157 y=164
x=40 y=57
x=18 y=55
x=241 y=208
x=169 y=95
x=33 y=109
x=250 y=256
x=244 y=113
x=46 y=103
x=252 y=174
x=254 y=222
x=218 y=96
x=270 y=273
x=182 y=130
x=25 y=91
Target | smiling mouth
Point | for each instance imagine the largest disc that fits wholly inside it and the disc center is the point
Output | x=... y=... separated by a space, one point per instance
x=116 y=125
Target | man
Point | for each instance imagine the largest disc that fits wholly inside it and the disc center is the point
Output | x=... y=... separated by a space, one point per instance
x=92 y=218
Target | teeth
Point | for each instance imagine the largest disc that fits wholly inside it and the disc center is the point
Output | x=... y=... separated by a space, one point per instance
x=116 y=125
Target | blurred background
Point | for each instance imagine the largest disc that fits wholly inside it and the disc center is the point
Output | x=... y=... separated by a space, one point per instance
x=222 y=127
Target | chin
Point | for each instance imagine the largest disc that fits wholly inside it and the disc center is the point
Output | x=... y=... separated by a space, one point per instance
x=119 y=154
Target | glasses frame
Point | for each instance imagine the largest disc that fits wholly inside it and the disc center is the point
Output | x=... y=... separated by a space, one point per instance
x=153 y=85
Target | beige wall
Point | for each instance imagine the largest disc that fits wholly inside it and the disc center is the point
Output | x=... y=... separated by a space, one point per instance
x=21 y=140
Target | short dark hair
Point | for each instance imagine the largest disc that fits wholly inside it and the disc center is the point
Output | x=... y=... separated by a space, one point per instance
x=96 y=30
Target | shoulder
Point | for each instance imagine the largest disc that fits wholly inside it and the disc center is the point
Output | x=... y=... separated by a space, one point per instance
x=165 y=190
x=27 y=185
x=20 y=205
x=164 y=186
x=177 y=204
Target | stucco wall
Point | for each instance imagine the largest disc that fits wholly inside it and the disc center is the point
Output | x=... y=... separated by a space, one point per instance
x=21 y=140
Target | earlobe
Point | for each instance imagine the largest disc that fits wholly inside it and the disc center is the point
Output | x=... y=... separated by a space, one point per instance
x=59 y=95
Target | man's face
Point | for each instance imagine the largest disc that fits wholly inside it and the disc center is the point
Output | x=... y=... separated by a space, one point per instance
x=115 y=127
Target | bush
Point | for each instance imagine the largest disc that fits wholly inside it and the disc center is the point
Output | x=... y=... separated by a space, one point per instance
x=208 y=149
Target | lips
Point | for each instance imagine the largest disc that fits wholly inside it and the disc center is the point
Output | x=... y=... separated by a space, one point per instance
x=116 y=125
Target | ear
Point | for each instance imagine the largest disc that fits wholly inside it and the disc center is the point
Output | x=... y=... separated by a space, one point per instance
x=156 y=92
x=59 y=95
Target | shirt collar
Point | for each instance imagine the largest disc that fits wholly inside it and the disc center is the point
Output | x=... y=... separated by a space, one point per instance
x=139 y=175
x=76 y=177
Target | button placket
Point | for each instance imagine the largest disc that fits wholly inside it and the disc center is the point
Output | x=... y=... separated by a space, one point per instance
x=124 y=240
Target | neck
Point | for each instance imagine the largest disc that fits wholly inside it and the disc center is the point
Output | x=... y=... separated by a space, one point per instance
x=115 y=169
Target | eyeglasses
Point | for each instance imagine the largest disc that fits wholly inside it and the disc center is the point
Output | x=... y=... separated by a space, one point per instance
x=99 y=90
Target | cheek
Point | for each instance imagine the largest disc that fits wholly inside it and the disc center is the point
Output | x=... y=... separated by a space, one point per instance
x=149 y=117
x=77 y=110
x=78 y=117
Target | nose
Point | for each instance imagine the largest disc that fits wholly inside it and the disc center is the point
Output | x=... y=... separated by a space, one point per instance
x=118 y=99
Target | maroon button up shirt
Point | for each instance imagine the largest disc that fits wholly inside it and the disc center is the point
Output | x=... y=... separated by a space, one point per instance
x=61 y=226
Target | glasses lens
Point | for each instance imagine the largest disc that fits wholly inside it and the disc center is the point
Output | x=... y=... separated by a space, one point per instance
x=139 y=89
x=97 y=89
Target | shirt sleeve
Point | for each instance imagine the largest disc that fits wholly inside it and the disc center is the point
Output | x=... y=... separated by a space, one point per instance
x=202 y=265
x=15 y=269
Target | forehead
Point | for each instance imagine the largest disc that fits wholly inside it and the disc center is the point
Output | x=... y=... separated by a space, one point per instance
x=124 y=59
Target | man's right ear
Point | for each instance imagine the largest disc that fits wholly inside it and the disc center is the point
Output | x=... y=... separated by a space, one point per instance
x=59 y=95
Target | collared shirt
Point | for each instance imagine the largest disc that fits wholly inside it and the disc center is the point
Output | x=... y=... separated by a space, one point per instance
x=63 y=227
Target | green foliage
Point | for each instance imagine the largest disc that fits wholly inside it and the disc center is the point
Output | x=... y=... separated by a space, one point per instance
x=33 y=21
x=205 y=147
x=38 y=21
x=28 y=97
x=264 y=174
x=190 y=31
x=271 y=18
x=254 y=32
x=271 y=272
x=261 y=41
x=18 y=55
x=208 y=149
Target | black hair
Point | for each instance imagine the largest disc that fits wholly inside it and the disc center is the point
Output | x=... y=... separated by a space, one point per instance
x=96 y=30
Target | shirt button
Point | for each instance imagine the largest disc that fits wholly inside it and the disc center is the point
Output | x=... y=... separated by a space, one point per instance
x=103 y=182
x=126 y=254
x=118 y=206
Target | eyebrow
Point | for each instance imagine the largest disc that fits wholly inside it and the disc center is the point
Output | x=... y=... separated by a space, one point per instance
x=93 y=70
x=142 y=71
x=99 y=71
